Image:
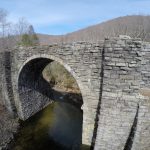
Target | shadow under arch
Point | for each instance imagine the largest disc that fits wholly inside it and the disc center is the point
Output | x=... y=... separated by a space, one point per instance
x=52 y=58
x=34 y=91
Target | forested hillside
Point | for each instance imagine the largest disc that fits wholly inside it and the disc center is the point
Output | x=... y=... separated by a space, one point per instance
x=137 y=26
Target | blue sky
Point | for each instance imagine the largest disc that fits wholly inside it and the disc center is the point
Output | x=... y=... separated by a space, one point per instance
x=64 y=16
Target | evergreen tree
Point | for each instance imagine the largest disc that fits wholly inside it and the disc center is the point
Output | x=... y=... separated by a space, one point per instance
x=30 y=39
x=25 y=40
x=31 y=30
x=35 y=39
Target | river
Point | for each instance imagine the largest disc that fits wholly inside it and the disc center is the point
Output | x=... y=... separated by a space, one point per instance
x=57 y=127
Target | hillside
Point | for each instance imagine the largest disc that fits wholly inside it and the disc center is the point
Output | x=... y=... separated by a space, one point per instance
x=46 y=39
x=134 y=26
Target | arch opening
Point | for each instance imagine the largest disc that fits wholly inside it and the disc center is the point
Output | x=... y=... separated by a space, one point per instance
x=36 y=92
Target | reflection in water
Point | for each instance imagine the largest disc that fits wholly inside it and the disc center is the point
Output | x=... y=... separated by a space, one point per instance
x=57 y=127
x=67 y=127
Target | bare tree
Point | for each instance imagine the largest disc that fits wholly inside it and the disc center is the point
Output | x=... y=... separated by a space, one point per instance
x=3 y=20
x=22 y=26
x=30 y=38
x=4 y=27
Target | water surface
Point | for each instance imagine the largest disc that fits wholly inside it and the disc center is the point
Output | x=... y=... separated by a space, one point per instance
x=57 y=127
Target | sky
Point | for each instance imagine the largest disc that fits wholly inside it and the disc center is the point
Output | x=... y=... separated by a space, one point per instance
x=57 y=17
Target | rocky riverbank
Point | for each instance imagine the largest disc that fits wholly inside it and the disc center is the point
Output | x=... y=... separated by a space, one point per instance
x=8 y=127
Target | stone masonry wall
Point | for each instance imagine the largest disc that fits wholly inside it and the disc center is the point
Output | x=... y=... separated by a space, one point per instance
x=142 y=135
x=6 y=91
x=120 y=95
x=82 y=60
x=1 y=79
x=114 y=79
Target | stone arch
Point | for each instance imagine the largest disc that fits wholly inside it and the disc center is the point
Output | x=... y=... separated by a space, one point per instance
x=30 y=86
x=84 y=86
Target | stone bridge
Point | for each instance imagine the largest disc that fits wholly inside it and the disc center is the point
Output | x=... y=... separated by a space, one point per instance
x=114 y=79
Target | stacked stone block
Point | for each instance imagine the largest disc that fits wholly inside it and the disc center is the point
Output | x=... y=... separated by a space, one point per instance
x=142 y=135
x=120 y=97
x=82 y=60
x=113 y=76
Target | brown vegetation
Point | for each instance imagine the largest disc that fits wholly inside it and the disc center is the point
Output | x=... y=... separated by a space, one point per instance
x=58 y=76
x=136 y=26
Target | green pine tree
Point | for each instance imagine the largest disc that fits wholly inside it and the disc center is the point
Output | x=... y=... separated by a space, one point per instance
x=30 y=38
x=35 y=39
x=25 y=40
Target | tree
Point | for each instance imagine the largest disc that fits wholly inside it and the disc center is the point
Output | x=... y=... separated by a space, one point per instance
x=22 y=26
x=4 y=28
x=31 y=30
x=30 y=38
x=34 y=38
x=25 y=40
x=3 y=21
